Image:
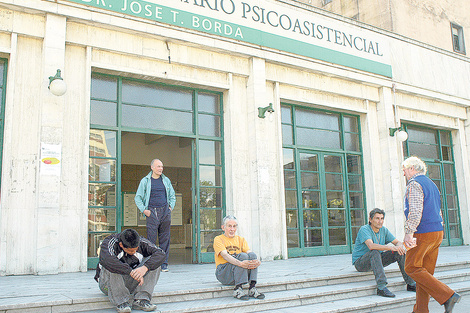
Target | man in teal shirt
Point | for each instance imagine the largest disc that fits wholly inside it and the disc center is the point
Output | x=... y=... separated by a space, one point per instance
x=372 y=252
x=156 y=198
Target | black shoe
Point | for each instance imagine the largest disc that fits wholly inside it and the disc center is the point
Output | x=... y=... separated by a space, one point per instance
x=449 y=304
x=124 y=308
x=411 y=288
x=385 y=293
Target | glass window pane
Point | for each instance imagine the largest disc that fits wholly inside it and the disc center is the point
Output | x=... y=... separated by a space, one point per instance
x=286 y=115
x=356 y=200
x=311 y=199
x=210 y=176
x=337 y=236
x=101 y=219
x=423 y=150
x=207 y=240
x=313 y=237
x=350 y=124
x=434 y=171
x=156 y=96
x=100 y=194
x=335 y=199
x=94 y=242
x=357 y=217
x=310 y=180
x=288 y=159
x=208 y=102
x=308 y=162
x=102 y=170
x=291 y=219
x=287 y=137
x=210 y=219
x=209 y=125
x=454 y=231
x=333 y=164
x=292 y=238
x=336 y=218
x=291 y=199
x=210 y=197
x=210 y=152
x=355 y=182
x=422 y=135
x=312 y=218
x=450 y=187
x=445 y=138
x=103 y=113
x=2 y=71
x=289 y=180
x=451 y=202
x=103 y=87
x=318 y=138
x=354 y=164
x=446 y=153
x=102 y=143
x=322 y=120
x=449 y=172
x=351 y=142
x=453 y=216
x=354 y=231
x=334 y=181
x=153 y=118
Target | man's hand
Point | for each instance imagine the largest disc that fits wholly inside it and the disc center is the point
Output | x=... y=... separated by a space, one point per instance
x=138 y=274
x=409 y=241
x=147 y=212
x=250 y=264
x=399 y=248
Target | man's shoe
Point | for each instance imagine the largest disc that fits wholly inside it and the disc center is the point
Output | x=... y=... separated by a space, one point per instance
x=165 y=268
x=144 y=305
x=411 y=288
x=240 y=294
x=449 y=304
x=253 y=292
x=385 y=293
x=124 y=308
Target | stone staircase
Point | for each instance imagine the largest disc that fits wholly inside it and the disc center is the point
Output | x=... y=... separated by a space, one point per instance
x=353 y=292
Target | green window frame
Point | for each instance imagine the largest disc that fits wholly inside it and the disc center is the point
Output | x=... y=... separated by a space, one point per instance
x=121 y=104
x=317 y=220
x=435 y=148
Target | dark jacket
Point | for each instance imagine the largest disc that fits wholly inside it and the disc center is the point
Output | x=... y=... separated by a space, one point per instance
x=115 y=260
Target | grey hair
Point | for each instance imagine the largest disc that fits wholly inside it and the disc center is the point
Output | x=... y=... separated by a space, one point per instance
x=415 y=163
x=229 y=218
x=151 y=163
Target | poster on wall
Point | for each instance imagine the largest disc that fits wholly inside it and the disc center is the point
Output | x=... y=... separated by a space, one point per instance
x=130 y=210
x=50 y=159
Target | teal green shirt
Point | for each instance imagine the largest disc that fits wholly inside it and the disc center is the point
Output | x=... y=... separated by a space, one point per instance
x=142 y=195
x=383 y=237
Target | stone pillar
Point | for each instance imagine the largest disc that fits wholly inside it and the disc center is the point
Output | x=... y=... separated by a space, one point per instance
x=51 y=130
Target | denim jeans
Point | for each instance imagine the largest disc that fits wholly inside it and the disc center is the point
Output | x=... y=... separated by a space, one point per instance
x=375 y=261
x=229 y=274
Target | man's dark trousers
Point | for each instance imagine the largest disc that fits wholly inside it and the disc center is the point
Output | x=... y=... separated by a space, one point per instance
x=158 y=226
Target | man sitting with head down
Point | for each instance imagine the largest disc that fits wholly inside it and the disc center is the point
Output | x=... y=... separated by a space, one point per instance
x=235 y=263
x=372 y=252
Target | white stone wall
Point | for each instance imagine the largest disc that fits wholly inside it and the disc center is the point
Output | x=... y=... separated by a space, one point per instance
x=43 y=219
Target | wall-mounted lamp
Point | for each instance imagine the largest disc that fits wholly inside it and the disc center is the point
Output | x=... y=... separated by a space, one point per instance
x=262 y=111
x=57 y=85
x=401 y=134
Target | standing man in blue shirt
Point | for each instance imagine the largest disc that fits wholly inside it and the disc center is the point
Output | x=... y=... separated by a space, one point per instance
x=156 y=198
x=372 y=252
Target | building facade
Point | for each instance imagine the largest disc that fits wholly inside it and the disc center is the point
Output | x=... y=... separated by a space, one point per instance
x=438 y=23
x=279 y=113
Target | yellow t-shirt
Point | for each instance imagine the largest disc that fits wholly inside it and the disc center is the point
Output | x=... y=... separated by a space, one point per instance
x=233 y=245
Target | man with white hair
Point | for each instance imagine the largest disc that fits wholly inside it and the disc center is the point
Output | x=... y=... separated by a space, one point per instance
x=424 y=234
x=235 y=263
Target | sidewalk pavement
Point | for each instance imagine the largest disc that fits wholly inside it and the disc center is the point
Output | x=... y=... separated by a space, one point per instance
x=50 y=288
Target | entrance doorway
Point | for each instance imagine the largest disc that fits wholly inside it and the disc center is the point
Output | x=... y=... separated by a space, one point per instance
x=137 y=151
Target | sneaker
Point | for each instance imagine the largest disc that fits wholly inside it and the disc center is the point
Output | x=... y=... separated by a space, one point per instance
x=253 y=292
x=411 y=288
x=124 y=308
x=240 y=294
x=144 y=305
x=165 y=268
x=385 y=293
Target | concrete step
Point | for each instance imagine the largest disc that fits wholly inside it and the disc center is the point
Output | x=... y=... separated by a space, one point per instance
x=305 y=292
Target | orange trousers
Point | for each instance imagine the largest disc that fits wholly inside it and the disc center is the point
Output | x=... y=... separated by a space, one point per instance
x=420 y=264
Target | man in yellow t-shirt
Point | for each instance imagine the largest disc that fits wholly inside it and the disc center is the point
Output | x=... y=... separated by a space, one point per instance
x=235 y=263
